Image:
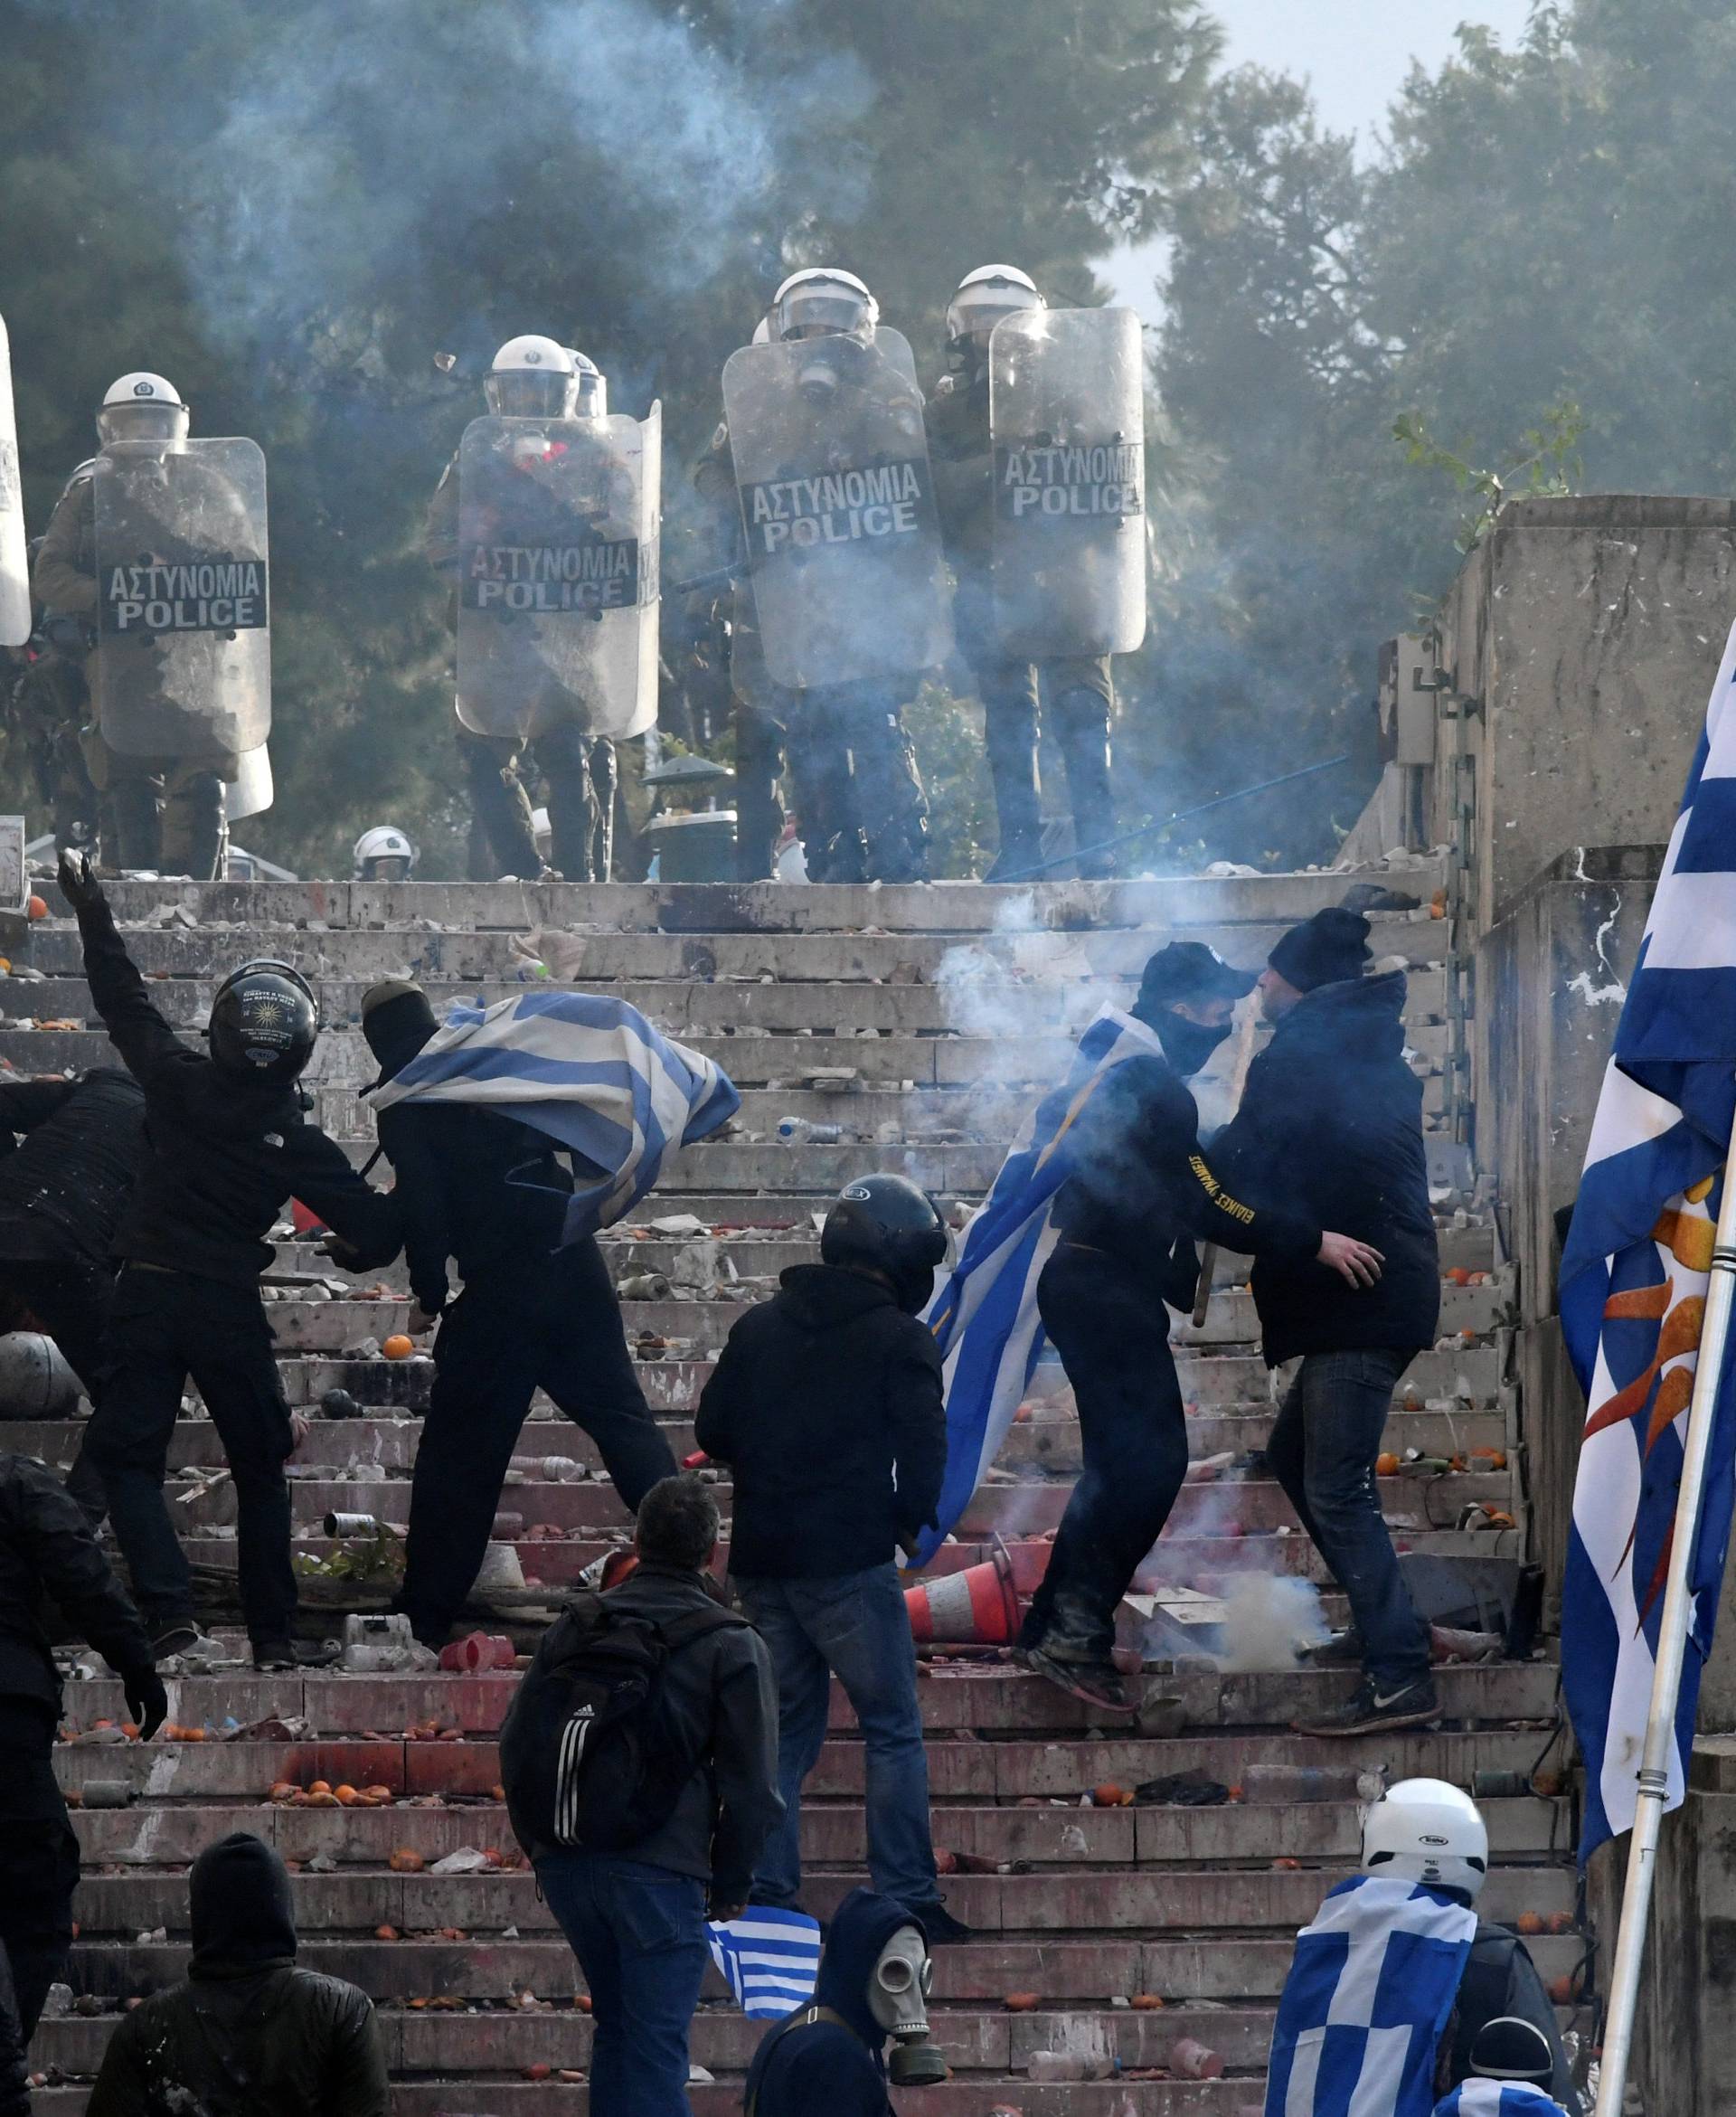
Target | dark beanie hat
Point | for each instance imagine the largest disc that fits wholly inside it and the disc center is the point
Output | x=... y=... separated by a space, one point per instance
x=1327 y=949
x=397 y=1019
x=241 y=1909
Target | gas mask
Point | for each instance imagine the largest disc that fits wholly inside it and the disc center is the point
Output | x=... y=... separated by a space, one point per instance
x=1187 y=1044
x=819 y=383
x=898 y=1999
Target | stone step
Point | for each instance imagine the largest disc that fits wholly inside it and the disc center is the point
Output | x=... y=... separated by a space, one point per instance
x=1060 y=1766
x=1238 y=1834
x=984 y=1697
x=947 y=907
x=610 y=957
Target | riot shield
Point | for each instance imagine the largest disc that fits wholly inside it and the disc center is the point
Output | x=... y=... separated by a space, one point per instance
x=837 y=507
x=252 y=790
x=1067 y=416
x=15 y=563
x=183 y=641
x=557 y=588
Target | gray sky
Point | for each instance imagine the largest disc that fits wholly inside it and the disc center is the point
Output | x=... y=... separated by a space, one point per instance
x=1355 y=53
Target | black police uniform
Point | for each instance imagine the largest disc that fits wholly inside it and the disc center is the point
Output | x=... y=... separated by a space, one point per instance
x=225 y=1156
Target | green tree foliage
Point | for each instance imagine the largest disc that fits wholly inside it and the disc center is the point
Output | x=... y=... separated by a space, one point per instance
x=290 y=208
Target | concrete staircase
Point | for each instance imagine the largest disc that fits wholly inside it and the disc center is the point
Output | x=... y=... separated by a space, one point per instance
x=919 y=1023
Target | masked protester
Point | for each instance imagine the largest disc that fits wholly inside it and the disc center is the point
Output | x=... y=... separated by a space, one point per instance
x=476 y=1186
x=168 y=810
x=229 y=1146
x=1422 y=1959
x=1078 y=691
x=246 y=2028
x=1138 y=1191
x=826 y=1403
x=48 y=1553
x=830 y=2055
x=1331 y=1120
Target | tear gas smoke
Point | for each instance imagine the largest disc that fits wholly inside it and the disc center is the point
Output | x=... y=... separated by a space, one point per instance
x=1268 y=1621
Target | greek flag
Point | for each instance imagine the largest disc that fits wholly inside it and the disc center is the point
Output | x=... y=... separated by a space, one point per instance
x=589 y=1072
x=1370 y=1987
x=985 y=1317
x=770 y=1958
x=1498 y=2098
x=1633 y=1295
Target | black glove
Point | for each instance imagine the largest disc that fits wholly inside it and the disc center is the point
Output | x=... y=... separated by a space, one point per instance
x=146 y=1700
x=79 y=879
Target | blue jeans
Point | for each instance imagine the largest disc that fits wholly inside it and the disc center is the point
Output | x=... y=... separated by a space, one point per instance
x=639 y=1935
x=854 y=1626
x=1322 y=1452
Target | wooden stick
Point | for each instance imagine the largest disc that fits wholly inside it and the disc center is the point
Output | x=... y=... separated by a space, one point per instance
x=1237 y=1080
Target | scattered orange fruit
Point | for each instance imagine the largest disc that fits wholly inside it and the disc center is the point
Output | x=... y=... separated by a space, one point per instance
x=1561 y=1922
x=1529 y=1922
x=400 y=1347
x=540 y=2071
x=1021 y=2002
x=319 y=1786
x=283 y=1790
x=1287 y=1865
x=1145 y=2002
x=36 y=908
x=406 y=1860
x=346 y=1796
x=1386 y=1465
x=581 y=2001
x=386 y=1933
x=1108 y=1795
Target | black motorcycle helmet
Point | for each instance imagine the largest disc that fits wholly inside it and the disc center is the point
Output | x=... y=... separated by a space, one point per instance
x=887 y=1225
x=263 y=1023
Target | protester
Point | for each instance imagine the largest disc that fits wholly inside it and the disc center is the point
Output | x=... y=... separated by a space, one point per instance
x=656 y=1813
x=1400 y=1947
x=246 y=2028
x=826 y=1402
x=1512 y=2066
x=47 y=1552
x=228 y=1146
x=829 y=2056
x=1331 y=1121
x=1138 y=1190
x=477 y=1187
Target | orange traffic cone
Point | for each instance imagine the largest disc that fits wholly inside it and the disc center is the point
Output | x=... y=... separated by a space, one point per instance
x=979 y=1606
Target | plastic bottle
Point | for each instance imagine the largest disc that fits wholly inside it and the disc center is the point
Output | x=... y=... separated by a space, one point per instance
x=803 y=1132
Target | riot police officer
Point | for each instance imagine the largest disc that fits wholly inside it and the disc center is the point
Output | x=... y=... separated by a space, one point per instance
x=45 y=702
x=531 y=377
x=1077 y=689
x=383 y=854
x=858 y=795
x=168 y=810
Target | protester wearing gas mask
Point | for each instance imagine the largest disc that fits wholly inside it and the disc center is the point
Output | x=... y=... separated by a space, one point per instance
x=830 y=2055
x=826 y=1402
x=1138 y=1190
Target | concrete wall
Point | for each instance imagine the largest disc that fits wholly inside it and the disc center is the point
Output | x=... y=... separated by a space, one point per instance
x=1591 y=629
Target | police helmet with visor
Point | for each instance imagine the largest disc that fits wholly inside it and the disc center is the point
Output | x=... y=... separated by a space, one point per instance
x=823 y=302
x=985 y=297
x=531 y=378
x=143 y=407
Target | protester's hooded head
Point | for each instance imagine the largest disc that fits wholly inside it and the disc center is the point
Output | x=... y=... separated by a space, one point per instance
x=1188 y=994
x=397 y=1020
x=1330 y=949
x=864 y=1924
x=243 y=1918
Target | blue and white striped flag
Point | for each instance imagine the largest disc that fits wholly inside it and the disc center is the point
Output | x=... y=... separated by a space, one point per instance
x=1498 y=2098
x=985 y=1317
x=771 y=1959
x=1369 y=1992
x=1632 y=1295
x=589 y=1072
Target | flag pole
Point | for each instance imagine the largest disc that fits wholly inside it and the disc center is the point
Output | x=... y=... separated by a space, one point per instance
x=1666 y=1672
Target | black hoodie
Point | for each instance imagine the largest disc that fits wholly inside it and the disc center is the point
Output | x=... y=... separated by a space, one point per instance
x=821 y=2067
x=1331 y=1117
x=827 y=1404
x=247 y=2034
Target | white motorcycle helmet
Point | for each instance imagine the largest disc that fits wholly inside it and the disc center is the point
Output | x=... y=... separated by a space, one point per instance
x=141 y=407
x=35 y=1381
x=592 y=395
x=1425 y=1830
x=531 y=378
x=384 y=855
x=985 y=297
x=823 y=302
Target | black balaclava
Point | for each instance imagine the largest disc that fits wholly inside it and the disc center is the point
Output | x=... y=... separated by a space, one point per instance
x=241 y=1914
x=1186 y=971
x=397 y=1020
x=1330 y=949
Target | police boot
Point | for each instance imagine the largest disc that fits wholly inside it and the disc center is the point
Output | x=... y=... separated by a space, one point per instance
x=500 y=807
x=193 y=827
x=569 y=821
x=890 y=799
x=138 y=824
x=1082 y=724
x=758 y=813
x=1011 y=732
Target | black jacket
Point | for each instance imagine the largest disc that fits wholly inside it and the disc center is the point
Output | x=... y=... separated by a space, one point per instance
x=1141 y=1187
x=62 y=1189
x=222 y=1157
x=1500 y=1979
x=48 y=1552
x=720 y=1691
x=471 y=1184
x=826 y=1402
x=807 y=2066
x=1331 y=1117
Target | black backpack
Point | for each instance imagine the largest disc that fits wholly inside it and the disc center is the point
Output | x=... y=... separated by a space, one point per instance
x=589 y=1758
